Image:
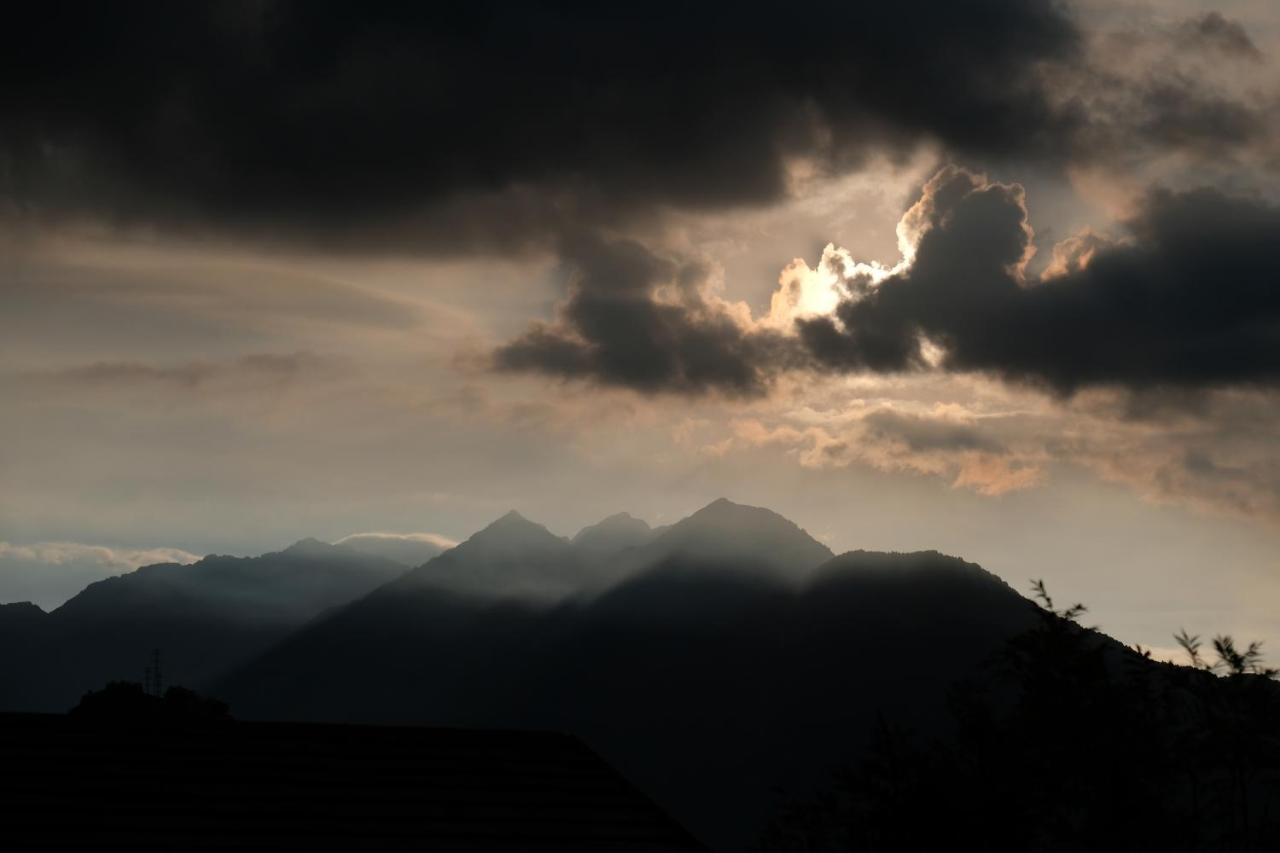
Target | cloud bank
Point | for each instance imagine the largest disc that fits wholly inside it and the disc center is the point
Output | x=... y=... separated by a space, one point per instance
x=48 y=573
x=410 y=549
x=1185 y=297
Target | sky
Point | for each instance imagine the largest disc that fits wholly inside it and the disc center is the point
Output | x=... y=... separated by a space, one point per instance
x=995 y=278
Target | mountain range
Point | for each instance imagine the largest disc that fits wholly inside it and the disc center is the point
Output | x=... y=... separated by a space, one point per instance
x=204 y=618
x=728 y=652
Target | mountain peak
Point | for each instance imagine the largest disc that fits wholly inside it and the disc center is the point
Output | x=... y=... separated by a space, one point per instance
x=723 y=510
x=736 y=533
x=617 y=532
x=514 y=530
x=310 y=547
x=622 y=517
x=408 y=549
x=512 y=555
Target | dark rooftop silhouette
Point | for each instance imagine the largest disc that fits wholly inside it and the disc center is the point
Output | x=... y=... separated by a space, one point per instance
x=77 y=784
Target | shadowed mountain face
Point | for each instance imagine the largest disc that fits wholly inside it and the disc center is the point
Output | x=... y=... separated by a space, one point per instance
x=205 y=618
x=707 y=686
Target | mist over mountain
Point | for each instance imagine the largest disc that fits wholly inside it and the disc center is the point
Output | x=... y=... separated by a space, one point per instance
x=409 y=549
x=729 y=650
x=47 y=574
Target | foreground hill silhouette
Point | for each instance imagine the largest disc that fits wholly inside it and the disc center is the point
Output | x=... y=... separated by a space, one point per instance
x=709 y=677
x=205 y=617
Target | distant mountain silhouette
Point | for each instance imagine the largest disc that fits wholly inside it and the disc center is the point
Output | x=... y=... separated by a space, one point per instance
x=709 y=687
x=204 y=617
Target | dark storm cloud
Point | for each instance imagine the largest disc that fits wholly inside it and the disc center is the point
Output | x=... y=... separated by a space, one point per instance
x=1190 y=300
x=640 y=320
x=1187 y=300
x=1175 y=113
x=1190 y=88
x=491 y=124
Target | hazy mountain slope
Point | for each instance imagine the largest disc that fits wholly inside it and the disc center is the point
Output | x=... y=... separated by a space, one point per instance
x=709 y=688
x=204 y=618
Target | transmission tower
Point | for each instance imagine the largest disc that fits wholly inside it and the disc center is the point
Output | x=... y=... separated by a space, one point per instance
x=153 y=676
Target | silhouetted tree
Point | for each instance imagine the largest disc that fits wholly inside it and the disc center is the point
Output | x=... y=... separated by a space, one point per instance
x=127 y=702
x=1227 y=727
x=1069 y=741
